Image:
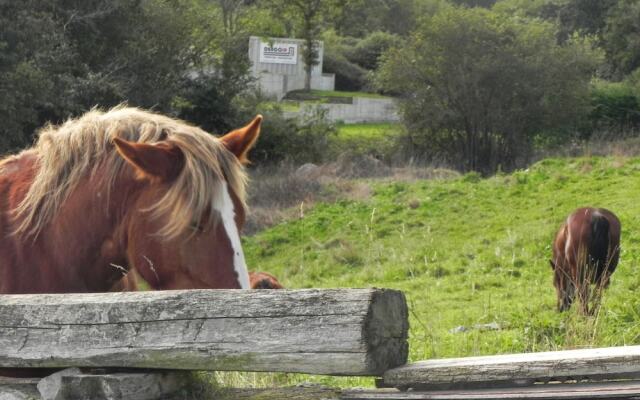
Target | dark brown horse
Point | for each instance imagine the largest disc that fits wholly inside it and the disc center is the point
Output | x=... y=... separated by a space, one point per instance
x=120 y=190
x=585 y=252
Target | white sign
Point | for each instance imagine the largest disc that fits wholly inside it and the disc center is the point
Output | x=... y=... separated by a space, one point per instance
x=279 y=53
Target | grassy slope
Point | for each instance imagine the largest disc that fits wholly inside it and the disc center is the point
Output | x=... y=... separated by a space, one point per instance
x=469 y=251
x=375 y=138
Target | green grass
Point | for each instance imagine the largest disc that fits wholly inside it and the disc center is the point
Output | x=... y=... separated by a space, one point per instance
x=290 y=106
x=334 y=93
x=374 y=131
x=467 y=251
x=377 y=139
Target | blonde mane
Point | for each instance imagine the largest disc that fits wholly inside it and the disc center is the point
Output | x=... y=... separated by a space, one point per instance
x=81 y=147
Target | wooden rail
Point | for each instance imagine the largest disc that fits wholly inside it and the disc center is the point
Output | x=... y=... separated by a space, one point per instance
x=336 y=332
x=158 y=386
x=519 y=369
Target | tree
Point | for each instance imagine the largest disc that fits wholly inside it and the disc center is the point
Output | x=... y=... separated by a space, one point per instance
x=309 y=13
x=211 y=89
x=479 y=87
x=586 y=17
x=303 y=19
x=37 y=70
x=61 y=57
x=358 y=18
x=622 y=37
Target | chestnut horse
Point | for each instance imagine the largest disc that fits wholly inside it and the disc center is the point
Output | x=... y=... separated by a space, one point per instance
x=120 y=190
x=585 y=251
x=257 y=280
x=263 y=280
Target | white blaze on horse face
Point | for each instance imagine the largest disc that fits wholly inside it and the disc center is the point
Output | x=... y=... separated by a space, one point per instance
x=227 y=212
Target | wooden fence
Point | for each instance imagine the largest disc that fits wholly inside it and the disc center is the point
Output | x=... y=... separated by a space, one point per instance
x=138 y=346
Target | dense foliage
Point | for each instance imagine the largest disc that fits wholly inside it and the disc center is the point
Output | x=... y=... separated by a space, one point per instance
x=479 y=87
x=62 y=57
x=523 y=72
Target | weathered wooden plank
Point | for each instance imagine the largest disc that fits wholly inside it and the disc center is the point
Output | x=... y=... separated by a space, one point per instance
x=18 y=389
x=605 y=390
x=127 y=386
x=333 y=331
x=289 y=393
x=580 y=365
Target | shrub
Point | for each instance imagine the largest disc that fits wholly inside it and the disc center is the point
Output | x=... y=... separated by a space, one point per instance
x=286 y=140
x=479 y=87
x=368 y=50
x=616 y=108
x=349 y=76
x=352 y=59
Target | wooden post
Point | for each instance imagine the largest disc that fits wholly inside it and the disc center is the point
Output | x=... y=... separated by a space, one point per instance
x=333 y=331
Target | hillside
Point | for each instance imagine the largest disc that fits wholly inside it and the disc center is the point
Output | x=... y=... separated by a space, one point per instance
x=471 y=254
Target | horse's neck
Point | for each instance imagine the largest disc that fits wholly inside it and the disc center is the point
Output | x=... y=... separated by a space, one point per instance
x=82 y=248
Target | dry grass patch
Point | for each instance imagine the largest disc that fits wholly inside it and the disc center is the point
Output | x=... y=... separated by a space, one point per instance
x=283 y=193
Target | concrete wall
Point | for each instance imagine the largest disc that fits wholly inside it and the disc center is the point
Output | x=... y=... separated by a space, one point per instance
x=323 y=82
x=361 y=110
x=277 y=79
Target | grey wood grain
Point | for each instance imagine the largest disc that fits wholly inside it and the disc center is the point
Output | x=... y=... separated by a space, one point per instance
x=587 y=364
x=333 y=331
x=605 y=390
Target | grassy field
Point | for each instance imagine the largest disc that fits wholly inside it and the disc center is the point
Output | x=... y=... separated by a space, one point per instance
x=376 y=139
x=467 y=252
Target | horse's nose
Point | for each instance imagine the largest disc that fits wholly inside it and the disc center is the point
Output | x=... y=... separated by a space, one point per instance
x=263 y=280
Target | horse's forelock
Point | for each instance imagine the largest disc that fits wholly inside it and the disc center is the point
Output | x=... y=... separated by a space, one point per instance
x=83 y=146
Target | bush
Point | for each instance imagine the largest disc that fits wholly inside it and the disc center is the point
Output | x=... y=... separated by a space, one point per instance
x=479 y=87
x=286 y=140
x=203 y=103
x=349 y=76
x=352 y=60
x=368 y=50
x=616 y=108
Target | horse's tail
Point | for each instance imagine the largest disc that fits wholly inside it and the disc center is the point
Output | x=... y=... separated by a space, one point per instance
x=599 y=245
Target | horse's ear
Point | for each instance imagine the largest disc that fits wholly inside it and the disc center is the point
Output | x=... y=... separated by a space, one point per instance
x=160 y=161
x=240 y=141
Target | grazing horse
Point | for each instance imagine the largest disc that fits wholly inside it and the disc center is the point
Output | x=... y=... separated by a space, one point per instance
x=585 y=251
x=124 y=189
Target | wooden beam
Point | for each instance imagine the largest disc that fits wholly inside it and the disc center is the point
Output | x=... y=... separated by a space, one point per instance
x=134 y=386
x=519 y=369
x=333 y=331
x=605 y=390
x=289 y=393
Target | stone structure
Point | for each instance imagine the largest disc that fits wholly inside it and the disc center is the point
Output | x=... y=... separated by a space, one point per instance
x=359 y=109
x=278 y=67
